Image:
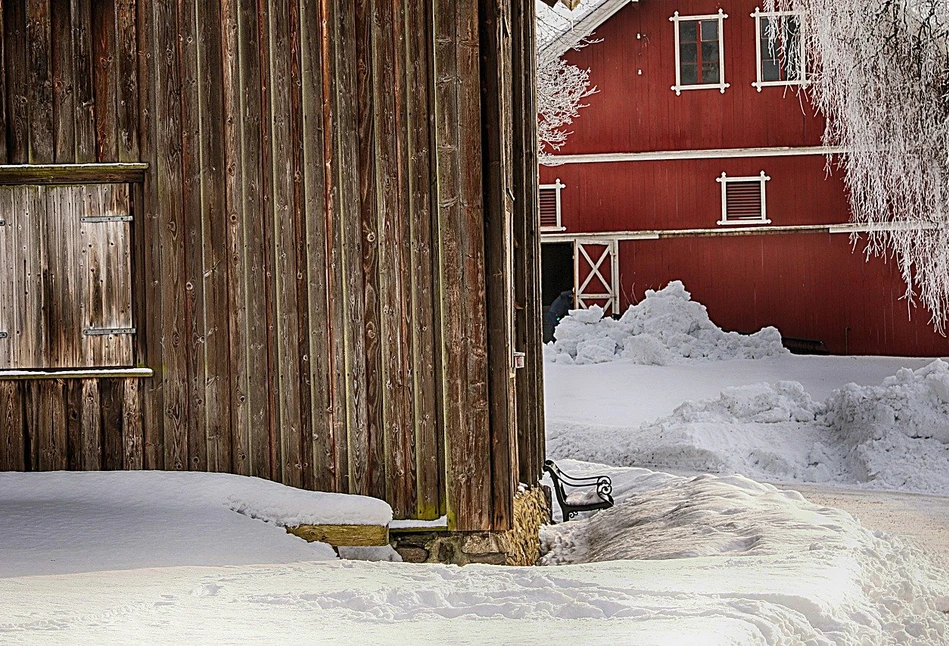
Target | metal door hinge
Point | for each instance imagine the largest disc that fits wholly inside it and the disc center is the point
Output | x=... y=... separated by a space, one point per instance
x=108 y=331
x=106 y=218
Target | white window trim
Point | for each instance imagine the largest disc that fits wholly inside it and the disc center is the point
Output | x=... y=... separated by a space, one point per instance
x=678 y=88
x=759 y=83
x=725 y=180
x=558 y=186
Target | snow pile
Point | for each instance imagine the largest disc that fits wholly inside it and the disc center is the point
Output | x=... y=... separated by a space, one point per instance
x=703 y=561
x=892 y=436
x=809 y=574
x=667 y=327
x=55 y=523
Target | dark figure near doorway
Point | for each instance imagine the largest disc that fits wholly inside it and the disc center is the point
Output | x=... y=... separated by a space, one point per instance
x=557 y=310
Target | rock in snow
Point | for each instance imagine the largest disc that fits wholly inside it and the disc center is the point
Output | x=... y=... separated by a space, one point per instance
x=666 y=327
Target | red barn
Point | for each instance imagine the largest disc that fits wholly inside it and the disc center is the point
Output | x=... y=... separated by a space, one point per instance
x=698 y=159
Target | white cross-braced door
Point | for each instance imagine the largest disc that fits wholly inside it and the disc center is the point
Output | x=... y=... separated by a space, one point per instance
x=596 y=275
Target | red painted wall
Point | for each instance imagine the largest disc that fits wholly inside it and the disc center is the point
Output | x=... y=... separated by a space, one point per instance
x=636 y=110
x=810 y=286
x=624 y=196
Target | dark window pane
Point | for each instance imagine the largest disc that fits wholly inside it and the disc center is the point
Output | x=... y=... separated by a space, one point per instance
x=687 y=31
x=688 y=53
x=688 y=75
x=710 y=72
x=770 y=70
x=709 y=30
x=710 y=52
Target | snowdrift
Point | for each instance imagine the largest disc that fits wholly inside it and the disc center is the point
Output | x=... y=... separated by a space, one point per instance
x=813 y=571
x=58 y=523
x=891 y=436
x=666 y=327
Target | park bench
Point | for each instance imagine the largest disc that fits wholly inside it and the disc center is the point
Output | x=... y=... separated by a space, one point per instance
x=584 y=494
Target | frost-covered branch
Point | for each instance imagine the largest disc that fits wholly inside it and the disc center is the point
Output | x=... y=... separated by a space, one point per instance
x=561 y=89
x=880 y=73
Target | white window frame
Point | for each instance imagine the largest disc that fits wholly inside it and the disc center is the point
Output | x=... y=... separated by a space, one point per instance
x=678 y=88
x=759 y=83
x=558 y=186
x=725 y=180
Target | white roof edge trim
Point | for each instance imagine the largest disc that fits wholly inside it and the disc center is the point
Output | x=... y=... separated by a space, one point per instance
x=582 y=29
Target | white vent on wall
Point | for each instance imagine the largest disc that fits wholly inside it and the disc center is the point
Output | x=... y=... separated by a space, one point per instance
x=550 y=211
x=744 y=199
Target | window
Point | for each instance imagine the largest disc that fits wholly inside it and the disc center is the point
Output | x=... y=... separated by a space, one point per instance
x=743 y=199
x=700 y=60
x=550 y=207
x=65 y=277
x=780 y=49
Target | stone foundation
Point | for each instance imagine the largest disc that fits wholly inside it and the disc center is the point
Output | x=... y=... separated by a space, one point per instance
x=519 y=546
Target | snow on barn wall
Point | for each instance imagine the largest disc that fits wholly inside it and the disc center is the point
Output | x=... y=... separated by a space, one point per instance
x=317 y=285
x=642 y=165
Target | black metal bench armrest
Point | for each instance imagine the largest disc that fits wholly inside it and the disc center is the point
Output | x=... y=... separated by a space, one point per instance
x=602 y=485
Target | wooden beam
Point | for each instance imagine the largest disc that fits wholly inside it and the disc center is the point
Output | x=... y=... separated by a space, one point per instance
x=343 y=535
x=65 y=174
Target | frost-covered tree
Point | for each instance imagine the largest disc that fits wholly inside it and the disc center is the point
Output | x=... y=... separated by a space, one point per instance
x=880 y=72
x=561 y=90
x=561 y=87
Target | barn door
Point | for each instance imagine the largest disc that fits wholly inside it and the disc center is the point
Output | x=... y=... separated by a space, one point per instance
x=596 y=274
x=65 y=281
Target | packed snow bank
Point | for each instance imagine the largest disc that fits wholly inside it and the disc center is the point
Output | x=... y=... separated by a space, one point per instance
x=892 y=436
x=762 y=568
x=667 y=327
x=82 y=522
x=810 y=574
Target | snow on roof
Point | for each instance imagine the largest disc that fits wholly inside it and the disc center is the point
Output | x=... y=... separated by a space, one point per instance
x=559 y=29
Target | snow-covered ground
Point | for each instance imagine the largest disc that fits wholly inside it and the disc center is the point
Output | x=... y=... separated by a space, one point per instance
x=681 y=559
x=694 y=403
x=162 y=558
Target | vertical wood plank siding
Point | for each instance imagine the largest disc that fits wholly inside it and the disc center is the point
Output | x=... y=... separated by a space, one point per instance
x=332 y=254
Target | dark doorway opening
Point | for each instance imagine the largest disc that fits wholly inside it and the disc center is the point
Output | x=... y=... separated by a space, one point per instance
x=556 y=277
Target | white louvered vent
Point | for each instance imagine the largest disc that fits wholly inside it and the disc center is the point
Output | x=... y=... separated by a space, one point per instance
x=550 y=212
x=744 y=199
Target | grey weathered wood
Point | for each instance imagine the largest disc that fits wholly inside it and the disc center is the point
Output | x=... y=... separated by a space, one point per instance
x=11 y=295
x=365 y=279
x=284 y=246
x=429 y=452
x=63 y=71
x=172 y=235
x=105 y=80
x=65 y=174
x=195 y=303
x=238 y=390
x=85 y=116
x=216 y=348
x=12 y=436
x=391 y=186
x=91 y=427
x=318 y=269
x=39 y=81
x=3 y=87
x=498 y=208
x=127 y=94
x=255 y=199
x=323 y=454
x=15 y=73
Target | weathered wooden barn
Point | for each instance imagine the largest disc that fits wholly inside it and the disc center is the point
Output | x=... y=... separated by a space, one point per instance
x=699 y=160
x=284 y=238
